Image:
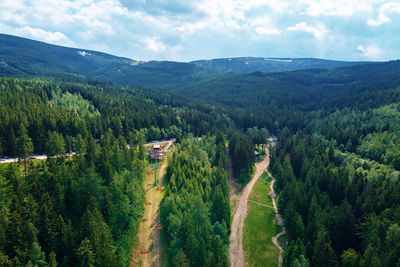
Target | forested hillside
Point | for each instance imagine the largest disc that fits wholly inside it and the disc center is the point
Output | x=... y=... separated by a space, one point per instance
x=278 y=99
x=76 y=109
x=29 y=58
x=340 y=189
x=196 y=210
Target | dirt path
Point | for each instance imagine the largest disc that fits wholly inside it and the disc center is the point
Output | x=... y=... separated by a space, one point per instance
x=236 y=246
x=148 y=236
x=279 y=220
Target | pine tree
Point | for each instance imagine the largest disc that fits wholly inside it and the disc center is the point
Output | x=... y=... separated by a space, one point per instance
x=298 y=227
x=85 y=254
x=350 y=258
x=55 y=144
x=99 y=234
x=180 y=259
x=11 y=142
x=52 y=260
x=323 y=254
x=24 y=145
x=36 y=255
x=218 y=256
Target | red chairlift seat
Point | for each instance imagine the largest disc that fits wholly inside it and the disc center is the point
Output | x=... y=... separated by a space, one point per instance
x=144 y=251
x=159 y=189
x=148 y=203
x=158 y=227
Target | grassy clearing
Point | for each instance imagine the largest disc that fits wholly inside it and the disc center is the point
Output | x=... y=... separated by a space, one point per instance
x=264 y=175
x=260 y=227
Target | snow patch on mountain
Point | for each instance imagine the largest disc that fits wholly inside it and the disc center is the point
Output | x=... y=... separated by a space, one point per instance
x=83 y=53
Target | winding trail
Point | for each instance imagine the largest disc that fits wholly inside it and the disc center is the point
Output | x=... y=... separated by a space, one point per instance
x=236 y=245
x=272 y=194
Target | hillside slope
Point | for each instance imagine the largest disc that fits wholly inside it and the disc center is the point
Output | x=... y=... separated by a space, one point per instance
x=297 y=88
x=20 y=56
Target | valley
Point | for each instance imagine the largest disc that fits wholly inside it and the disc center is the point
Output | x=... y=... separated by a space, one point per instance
x=278 y=162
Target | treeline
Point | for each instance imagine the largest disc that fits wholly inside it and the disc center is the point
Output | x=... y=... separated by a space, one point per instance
x=339 y=209
x=196 y=209
x=241 y=151
x=77 y=211
x=74 y=108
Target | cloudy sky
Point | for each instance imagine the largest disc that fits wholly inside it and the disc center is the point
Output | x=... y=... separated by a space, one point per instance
x=185 y=30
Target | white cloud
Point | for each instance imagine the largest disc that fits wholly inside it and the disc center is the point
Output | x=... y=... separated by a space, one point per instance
x=37 y=34
x=262 y=25
x=178 y=29
x=370 y=51
x=9 y=11
x=276 y=5
x=342 y=8
x=382 y=17
x=154 y=44
x=318 y=31
x=51 y=37
x=267 y=31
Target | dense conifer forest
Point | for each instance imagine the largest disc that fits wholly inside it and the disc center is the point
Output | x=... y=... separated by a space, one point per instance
x=340 y=189
x=79 y=211
x=84 y=210
x=337 y=161
x=196 y=209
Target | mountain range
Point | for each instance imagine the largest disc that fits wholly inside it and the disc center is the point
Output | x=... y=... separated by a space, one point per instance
x=21 y=56
x=242 y=86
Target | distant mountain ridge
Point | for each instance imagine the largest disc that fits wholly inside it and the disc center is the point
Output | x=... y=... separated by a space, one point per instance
x=25 y=57
x=21 y=56
x=265 y=64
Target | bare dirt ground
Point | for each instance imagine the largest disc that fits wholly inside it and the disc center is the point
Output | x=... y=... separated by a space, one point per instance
x=279 y=220
x=148 y=236
x=236 y=246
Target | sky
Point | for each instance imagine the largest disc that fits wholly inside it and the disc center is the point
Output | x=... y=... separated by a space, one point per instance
x=184 y=30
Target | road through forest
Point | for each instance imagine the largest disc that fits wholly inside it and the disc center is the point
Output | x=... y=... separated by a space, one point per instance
x=44 y=157
x=236 y=245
